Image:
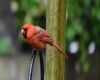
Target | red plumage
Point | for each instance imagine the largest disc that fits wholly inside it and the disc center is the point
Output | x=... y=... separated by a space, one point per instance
x=38 y=37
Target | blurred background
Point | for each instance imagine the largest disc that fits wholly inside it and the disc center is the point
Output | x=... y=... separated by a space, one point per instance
x=82 y=38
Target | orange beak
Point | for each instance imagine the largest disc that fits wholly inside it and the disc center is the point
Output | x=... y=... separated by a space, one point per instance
x=22 y=31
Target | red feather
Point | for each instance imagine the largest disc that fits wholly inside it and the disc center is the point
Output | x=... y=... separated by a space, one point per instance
x=38 y=37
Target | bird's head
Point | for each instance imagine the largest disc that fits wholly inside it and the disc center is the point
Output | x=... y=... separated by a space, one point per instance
x=27 y=29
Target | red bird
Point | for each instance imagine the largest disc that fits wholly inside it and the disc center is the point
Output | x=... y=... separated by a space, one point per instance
x=38 y=37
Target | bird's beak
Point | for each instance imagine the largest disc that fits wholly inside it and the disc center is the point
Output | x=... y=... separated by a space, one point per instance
x=22 y=31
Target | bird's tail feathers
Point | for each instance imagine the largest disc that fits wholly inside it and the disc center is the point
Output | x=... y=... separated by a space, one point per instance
x=60 y=50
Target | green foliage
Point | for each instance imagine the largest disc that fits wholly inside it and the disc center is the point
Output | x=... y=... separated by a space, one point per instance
x=27 y=10
x=73 y=9
x=84 y=21
x=73 y=28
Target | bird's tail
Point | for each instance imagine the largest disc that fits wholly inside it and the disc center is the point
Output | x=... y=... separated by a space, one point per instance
x=60 y=50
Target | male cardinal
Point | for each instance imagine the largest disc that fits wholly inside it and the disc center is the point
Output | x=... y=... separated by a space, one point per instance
x=38 y=37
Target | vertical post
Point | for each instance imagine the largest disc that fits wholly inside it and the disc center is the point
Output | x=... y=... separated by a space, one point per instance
x=56 y=27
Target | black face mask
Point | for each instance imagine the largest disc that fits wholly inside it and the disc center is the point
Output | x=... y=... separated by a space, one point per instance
x=25 y=35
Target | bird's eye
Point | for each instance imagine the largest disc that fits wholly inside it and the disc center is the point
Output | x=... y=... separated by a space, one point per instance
x=24 y=29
